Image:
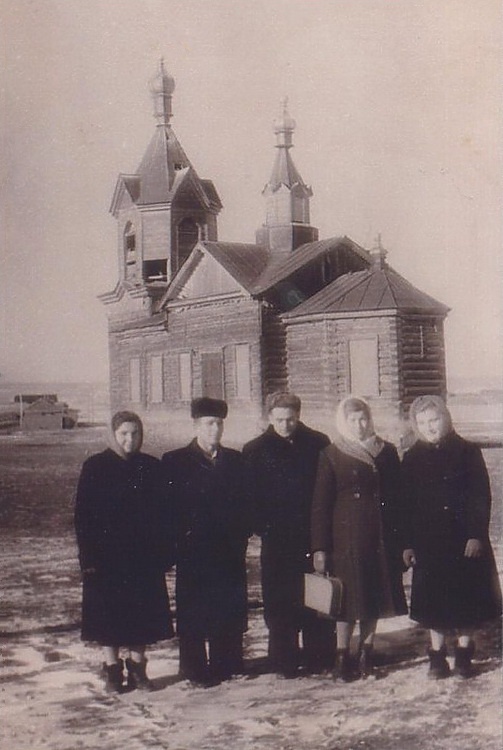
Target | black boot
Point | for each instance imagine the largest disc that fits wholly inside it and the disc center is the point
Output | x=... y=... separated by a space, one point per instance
x=113 y=674
x=137 y=675
x=343 y=669
x=463 y=660
x=366 y=661
x=439 y=666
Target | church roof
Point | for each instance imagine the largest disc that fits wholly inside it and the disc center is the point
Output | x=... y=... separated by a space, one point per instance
x=286 y=265
x=157 y=168
x=284 y=171
x=163 y=168
x=372 y=289
x=245 y=262
x=255 y=268
x=162 y=172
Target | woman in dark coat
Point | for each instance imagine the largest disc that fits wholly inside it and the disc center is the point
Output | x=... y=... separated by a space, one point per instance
x=124 y=550
x=355 y=526
x=448 y=502
x=206 y=483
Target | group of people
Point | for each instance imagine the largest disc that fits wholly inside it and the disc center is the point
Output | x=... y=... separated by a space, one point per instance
x=348 y=508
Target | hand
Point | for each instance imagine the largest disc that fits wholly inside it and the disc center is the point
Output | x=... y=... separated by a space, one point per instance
x=320 y=561
x=409 y=558
x=473 y=548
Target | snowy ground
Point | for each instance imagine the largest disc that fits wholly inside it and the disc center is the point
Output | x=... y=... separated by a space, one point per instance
x=52 y=695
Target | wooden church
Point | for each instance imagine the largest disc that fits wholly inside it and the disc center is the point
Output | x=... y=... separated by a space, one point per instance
x=191 y=315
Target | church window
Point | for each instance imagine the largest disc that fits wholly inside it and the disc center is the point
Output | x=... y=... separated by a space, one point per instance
x=134 y=380
x=185 y=376
x=243 y=374
x=188 y=236
x=130 y=247
x=130 y=250
x=154 y=270
x=364 y=366
x=212 y=375
x=156 y=380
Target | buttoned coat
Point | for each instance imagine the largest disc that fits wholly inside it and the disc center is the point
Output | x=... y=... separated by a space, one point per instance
x=281 y=474
x=125 y=546
x=356 y=519
x=212 y=528
x=448 y=501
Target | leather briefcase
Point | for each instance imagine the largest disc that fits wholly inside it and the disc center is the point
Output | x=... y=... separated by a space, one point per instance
x=323 y=594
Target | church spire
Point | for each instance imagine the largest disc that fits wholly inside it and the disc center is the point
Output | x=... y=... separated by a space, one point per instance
x=284 y=171
x=287 y=195
x=162 y=87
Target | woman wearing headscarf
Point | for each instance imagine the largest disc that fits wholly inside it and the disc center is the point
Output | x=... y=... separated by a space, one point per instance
x=355 y=530
x=124 y=542
x=448 y=502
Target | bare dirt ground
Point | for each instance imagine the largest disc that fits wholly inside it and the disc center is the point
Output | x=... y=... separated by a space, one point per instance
x=52 y=695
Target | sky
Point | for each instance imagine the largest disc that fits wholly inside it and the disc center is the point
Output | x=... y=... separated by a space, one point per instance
x=399 y=132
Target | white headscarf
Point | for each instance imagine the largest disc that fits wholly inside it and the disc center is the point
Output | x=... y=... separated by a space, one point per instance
x=421 y=403
x=365 y=450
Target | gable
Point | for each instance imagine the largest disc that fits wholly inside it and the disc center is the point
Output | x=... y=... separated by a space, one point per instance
x=206 y=278
x=125 y=193
x=187 y=193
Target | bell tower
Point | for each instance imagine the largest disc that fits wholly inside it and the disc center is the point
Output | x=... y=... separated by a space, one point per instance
x=164 y=208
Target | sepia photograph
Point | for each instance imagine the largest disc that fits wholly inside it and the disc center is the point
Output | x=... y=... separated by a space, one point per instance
x=251 y=374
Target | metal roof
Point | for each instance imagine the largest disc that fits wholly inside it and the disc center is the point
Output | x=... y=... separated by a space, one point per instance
x=245 y=262
x=157 y=168
x=372 y=289
x=286 y=265
x=163 y=170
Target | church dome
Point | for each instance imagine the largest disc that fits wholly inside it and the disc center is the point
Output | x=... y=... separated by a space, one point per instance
x=163 y=83
x=284 y=121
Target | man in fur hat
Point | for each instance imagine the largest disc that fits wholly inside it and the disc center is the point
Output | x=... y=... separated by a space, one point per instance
x=281 y=466
x=205 y=484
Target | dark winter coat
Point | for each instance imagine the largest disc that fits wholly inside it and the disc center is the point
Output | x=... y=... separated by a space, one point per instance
x=355 y=520
x=212 y=530
x=448 y=501
x=281 y=474
x=124 y=549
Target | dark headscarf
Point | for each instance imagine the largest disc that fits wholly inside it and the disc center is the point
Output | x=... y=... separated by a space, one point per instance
x=119 y=418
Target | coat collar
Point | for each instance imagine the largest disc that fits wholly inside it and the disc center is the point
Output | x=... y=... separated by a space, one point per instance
x=204 y=457
x=365 y=451
x=297 y=435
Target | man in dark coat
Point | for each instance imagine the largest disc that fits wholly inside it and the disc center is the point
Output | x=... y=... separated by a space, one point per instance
x=281 y=467
x=205 y=485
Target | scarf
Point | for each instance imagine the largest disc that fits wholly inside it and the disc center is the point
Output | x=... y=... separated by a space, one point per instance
x=365 y=450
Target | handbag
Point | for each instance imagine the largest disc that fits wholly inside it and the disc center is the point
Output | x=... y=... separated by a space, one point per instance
x=323 y=593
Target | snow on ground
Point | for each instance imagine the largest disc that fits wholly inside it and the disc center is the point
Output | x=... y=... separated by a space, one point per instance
x=52 y=697
x=52 y=694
